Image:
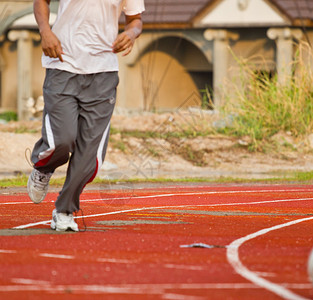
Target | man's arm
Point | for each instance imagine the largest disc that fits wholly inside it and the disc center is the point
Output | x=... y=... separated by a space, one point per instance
x=51 y=46
x=125 y=41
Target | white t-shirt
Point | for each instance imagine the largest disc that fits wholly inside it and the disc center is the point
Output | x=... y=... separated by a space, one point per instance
x=87 y=30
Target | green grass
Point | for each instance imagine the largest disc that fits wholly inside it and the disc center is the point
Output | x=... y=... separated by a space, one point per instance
x=187 y=132
x=290 y=177
x=24 y=129
x=14 y=182
x=8 y=116
x=118 y=145
x=21 y=181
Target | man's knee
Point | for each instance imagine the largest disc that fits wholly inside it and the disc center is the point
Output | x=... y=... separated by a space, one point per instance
x=66 y=143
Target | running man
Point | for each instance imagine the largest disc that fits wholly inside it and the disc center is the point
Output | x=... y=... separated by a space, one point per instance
x=79 y=54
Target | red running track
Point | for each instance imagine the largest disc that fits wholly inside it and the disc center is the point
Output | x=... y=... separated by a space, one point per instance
x=145 y=244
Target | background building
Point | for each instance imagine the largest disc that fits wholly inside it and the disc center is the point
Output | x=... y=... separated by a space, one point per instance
x=187 y=46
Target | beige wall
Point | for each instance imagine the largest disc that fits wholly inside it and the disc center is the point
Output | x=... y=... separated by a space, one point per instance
x=169 y=85
x=157 y=82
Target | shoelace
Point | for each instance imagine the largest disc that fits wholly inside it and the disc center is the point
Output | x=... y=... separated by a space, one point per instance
x=28 y=154
x=40 y=179
x=85 y=227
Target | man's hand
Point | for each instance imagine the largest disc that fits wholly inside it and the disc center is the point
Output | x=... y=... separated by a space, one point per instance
x=125 y=41
x=51 y=46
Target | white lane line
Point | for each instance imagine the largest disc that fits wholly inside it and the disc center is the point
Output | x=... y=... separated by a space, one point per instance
x=21 y=202
x=198 y=194
x=7 y=251
x=29 y=281
x=138 y=288
x=183 y=267
x=85 y=216
x=165 y=207
x=61 y=256
x=234 y=260
x=177 y=194
x=116 y=261
x=172 y=296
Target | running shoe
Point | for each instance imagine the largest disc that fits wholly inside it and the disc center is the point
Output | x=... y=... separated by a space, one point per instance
x=63 y=222
x=37 y=185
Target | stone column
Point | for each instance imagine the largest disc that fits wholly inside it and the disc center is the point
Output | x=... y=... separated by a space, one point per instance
x=284 y=55
x=220 y=40
x=24 y=40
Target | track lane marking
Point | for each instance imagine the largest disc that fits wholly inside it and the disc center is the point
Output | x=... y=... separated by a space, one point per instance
x=233 y=258
x=7 y=251
x=135 y=288
x=164 y=207
x=52 y=255
x=29 y=281
x=196 y=194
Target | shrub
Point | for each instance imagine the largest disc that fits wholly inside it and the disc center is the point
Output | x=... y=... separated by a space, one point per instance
x=261 y=106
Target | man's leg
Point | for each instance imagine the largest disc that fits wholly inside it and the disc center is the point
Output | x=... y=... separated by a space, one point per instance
x=59 y=130
x=97 y=101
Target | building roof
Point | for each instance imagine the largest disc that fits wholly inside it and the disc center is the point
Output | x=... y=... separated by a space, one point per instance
x=172 y=11
x=296 y=9
x=183 y=12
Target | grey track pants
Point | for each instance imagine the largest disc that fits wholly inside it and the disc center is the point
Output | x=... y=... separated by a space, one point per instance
x=76 y=120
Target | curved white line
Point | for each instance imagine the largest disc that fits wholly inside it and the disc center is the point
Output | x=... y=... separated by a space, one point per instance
x=234 y=260
x=163 y=207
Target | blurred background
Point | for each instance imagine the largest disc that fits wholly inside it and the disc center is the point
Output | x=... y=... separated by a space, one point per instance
x=189 y=52
x=214 y=87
